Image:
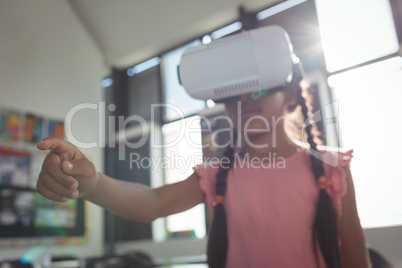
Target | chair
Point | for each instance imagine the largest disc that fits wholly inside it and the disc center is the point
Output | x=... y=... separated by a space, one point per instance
x=138 y=259
x=103 y=262
x=15 y=264
x=377 y=260
x=127 y=260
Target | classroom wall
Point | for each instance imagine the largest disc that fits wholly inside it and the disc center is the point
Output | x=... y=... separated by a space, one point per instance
x=49 y=64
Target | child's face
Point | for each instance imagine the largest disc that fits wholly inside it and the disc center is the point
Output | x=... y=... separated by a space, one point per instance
x=262 y=115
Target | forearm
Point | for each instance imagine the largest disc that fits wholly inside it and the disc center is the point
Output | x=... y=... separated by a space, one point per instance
x=129 y=200
x=355 y=254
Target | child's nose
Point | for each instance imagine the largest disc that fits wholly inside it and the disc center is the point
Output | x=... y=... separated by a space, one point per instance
x=244 y=98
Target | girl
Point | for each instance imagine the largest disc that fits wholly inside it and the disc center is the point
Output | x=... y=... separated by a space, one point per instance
x=298 y=211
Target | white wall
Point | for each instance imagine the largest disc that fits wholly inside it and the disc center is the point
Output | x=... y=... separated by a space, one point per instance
x=49 y=64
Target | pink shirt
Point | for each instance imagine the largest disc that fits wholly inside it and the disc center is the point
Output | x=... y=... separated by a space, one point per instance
x=270 y=208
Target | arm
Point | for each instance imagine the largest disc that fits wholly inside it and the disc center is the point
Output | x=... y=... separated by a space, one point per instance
x=67 y=173
x=354 y=253
x=140 y=203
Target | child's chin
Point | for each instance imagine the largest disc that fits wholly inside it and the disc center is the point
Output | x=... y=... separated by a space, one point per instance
x=252 y=134
x=256 y=131
x=257 y=127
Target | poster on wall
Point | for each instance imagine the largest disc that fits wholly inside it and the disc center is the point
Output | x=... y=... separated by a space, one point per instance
x=37 y=158
x=33 y=128
x=26 y=217
x=55 y=128
x=10 y=126
x=15 y=168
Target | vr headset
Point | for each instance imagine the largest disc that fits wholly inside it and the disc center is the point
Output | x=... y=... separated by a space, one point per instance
x=260 y=60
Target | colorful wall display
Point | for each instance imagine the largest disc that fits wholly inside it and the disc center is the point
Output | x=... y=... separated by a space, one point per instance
x=26 y=217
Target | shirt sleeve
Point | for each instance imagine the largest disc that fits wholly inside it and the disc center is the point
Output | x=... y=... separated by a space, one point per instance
x=334 y=162
x=207 y=173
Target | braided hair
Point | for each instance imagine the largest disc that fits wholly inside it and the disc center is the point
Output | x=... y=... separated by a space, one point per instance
x=325 y=222
x=218 y=238
x=325 y=230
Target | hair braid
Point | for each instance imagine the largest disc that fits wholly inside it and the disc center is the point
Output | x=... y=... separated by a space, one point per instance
x=325 y=223
x=218 y=238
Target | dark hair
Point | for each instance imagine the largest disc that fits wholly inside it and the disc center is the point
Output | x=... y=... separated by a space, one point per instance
x=325 y=223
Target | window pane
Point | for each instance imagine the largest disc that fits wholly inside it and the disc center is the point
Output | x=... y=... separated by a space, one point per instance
x=119 y=165
x=369 y=121
x=355 y=31
x=175 y=94
x=143 y=90
x=183 y=149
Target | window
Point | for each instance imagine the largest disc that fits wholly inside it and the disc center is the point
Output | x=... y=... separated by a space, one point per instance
x=183 y=150
x=180 y=103
x=355 y=31
x=359 y=33
x=369 y=121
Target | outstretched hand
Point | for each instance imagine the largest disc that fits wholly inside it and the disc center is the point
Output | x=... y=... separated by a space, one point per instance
x=66 y=173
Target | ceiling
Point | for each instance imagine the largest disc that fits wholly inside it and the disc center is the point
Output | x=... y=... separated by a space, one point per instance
x=131 y=31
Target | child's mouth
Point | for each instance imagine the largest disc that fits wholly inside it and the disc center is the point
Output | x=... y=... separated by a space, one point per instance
x=249 y=112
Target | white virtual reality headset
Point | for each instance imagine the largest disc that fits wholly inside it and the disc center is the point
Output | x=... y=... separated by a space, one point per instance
x=261 y=59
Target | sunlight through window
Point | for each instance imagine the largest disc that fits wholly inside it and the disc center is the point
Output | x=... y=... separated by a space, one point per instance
x=183 y=146
x=355 y=31
x=175 y=94
x=369 y=121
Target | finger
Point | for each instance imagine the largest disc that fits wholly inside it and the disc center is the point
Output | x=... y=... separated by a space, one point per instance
x=52 y=167
x=56 y=187
x=79 y=168
x=48 y=193
x=58 y=145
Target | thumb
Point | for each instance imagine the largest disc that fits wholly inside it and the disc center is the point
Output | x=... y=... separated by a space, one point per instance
x=79 y=168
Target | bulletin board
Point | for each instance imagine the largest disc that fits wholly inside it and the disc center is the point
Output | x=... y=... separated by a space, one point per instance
x=26 y=217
